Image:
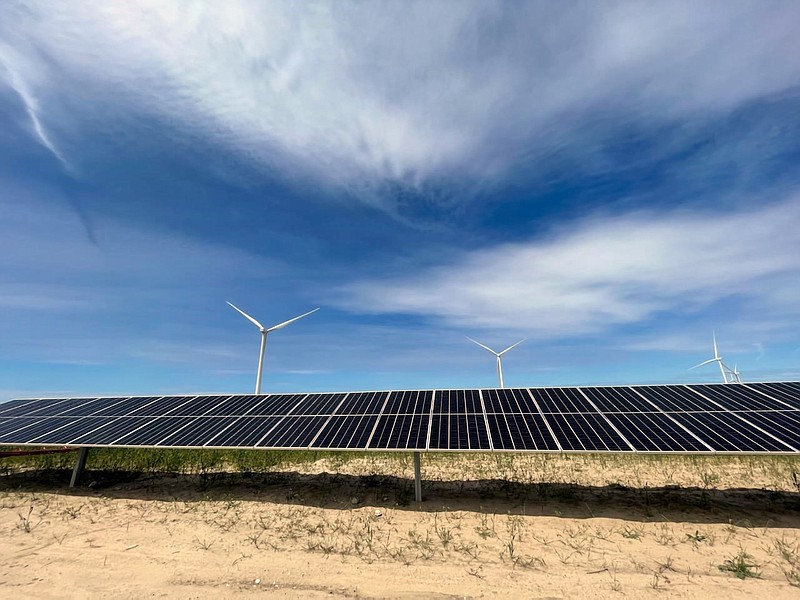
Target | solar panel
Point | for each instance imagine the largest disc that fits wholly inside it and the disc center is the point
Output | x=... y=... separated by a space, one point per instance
x=737 y=397
x=586 y=432
x=785 y=392
x=677 y=398
x=618 y=399
x=241 y=432
x=400 y=432
x=655 y=432
x=782 y=425
x=515 y=431
x=739 y=418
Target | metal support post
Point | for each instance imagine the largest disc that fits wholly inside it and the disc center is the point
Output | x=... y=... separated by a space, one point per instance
x=417 y=479
x=80 y=463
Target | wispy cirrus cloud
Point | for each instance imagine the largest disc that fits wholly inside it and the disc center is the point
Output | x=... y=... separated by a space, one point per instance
x=364 y=95
x=21 y=87
x=609 y=271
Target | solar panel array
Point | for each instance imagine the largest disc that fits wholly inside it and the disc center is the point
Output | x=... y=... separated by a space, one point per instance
x=747 y=418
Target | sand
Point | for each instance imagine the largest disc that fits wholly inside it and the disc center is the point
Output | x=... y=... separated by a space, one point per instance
x=489 y=526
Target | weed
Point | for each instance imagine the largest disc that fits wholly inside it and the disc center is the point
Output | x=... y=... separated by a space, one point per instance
x=616 y=586
x=25 y=523
x=741 y=566
x=486 y=529
x=203 y=544
x=632 y=533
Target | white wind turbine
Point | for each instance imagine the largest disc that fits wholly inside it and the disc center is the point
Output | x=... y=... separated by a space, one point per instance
x=264 y=331
x=735 y=374
x=498 y=355
x=722 y=366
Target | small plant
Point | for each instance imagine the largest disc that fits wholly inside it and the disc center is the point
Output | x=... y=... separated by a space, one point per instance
x=631 y=533
x=616 y=586
x=486 y=529
x=25 y=521
x=741 y=566
x=203 y=544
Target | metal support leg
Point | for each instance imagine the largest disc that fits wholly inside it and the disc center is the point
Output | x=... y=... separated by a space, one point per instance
x=417 y=478
x=80 y=463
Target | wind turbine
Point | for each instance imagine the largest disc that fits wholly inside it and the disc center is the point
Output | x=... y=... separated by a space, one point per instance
x=722 y=366
x=498 y=355
x=264 y=331
x=735 y=374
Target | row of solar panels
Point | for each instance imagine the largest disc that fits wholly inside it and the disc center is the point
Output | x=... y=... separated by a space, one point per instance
x=755 y=418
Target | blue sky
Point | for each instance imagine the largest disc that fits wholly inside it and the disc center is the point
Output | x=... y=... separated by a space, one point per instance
x=612 y=181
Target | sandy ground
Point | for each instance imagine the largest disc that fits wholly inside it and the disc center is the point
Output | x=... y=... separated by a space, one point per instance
x=516 y=527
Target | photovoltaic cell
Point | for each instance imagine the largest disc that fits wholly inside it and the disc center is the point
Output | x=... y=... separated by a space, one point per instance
x=197 y=406
x=293 y=432
x=737 y=397
x=366 y=403
x=515 y=431
x=318 y=404
x=561 y=400
x=778 y=391
x=676 y=398
x=16 y=407
x=111 y=431
x=457 y=401
x=790 y=387
x=235 y=406
x=585 y=432
x=395 y=432
x=126 y=406
x=87 y=407
x=783 y=425
x=195 y=432
x=618 y=399
x=655 y=432
x=11 y=425
x=34 y=428
x=69 y=429
x=509 y=401
x=725 y=433
x=409 y=403
x=163 y=406
x=346 y=432
x=274 y=405
x=459 y=432
x=241 y=432
x=154 y=431
x=46 y=407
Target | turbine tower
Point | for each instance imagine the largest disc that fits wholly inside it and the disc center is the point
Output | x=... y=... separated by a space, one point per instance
x=264 y=331
x=723 y=368
x=498 y=355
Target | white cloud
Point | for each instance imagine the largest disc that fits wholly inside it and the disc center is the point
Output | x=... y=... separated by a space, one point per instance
x=19 y=85
x=609 y=271
x=360 y=94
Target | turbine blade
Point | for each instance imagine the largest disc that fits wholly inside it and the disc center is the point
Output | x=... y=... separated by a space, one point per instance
x=710 y=360
x=246 y=316
x=481 y=345
x=285 y=323
x=512 y=346
x=714 y=335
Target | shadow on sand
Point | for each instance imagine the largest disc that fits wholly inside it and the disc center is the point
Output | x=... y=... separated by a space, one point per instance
x=741 y=507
